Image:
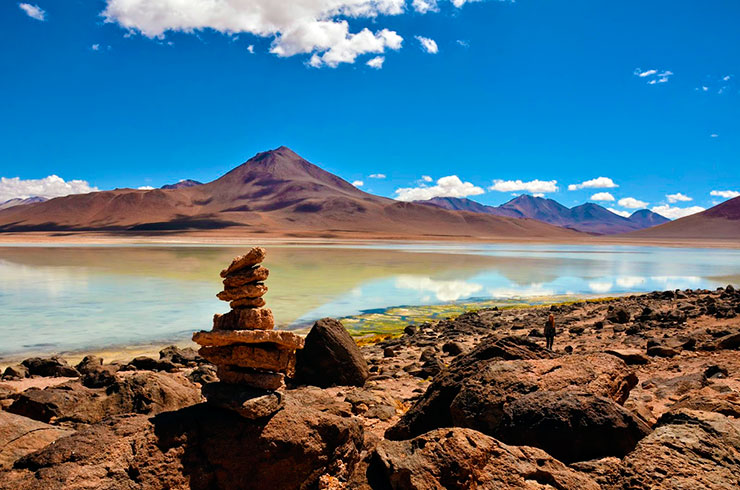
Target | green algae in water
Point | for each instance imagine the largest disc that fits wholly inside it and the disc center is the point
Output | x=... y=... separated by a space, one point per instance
x=393 y=320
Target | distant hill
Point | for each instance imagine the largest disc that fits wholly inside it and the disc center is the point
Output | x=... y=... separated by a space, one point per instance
x=720 y=222
x=274 y=192
x=588 y=217
x=182 y=184
x=21 y=202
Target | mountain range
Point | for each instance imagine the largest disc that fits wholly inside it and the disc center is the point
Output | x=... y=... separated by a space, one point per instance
x=21 y=202
x=277 y=192
x=588 y=217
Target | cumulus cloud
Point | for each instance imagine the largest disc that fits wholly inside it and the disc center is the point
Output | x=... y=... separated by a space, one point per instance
x=146 y=188
x=725 y=194
x=358 y=183
x=376 y=62
x=33 y=11
x=49 y=187
x=654 y=76
x=319 y=28
x=250 y=48
x=673 y=212
x=678 y=197
x=426 y=178
x=623 y=214
x=632 y=203
x=424 y=6
x=533 y=186
x=597 y=183
x=427 y=44
x=377 y=176
x=602 y=196
x=450 y=186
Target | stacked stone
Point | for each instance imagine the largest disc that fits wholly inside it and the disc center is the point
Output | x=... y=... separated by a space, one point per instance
x=251 y=358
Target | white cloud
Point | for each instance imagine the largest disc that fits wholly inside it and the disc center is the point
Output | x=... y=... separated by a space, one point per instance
x=623 y=214
x=602 y=196
x=427 y=44
x=538 y=194
x=632 y=203
x=654 y=76
x=725 y=194
x=377 y=176
x=358 y=183
x=646 y=73
x=672 y=212
x=319 y=28
x=463 y=43
x=51 y=186
x=678 y=197
x=424 y=6
x=630 y=282
x=250 y=48
x=376 y=62
x=426 y=178
x=146 y=188
x=714 y=135
x=95 y=47
x=33 y=11
x=533 y=186
x=450 y=186
x=597 y=183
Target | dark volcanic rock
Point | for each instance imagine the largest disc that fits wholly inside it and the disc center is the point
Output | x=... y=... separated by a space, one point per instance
x=619 y=315
x=199 y=447
x=433 y=409
x=475 y=394
x=462 y=459
x=330 y=357
x=52 y=366
x=288 y=450
x=19 y=371
x=147 y=393
x=145 y=363
x=593 y=426
x=185 y=357
x=688 y=449
x=20 y=436
x=731 y=341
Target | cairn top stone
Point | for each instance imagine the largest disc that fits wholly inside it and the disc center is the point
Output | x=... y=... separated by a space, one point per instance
x=251 y=258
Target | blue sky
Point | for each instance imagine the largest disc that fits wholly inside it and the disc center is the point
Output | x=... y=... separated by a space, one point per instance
x=129 y=93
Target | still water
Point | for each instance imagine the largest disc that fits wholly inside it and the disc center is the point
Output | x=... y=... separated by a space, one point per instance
x=55 y=299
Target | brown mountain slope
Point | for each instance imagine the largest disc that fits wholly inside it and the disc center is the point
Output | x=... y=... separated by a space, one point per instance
x=720 y=222
x=275 y=191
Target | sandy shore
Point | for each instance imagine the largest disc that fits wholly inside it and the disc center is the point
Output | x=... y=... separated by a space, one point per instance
x=224 y=238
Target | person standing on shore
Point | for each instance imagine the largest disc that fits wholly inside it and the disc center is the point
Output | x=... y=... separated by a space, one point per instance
x=550 y=331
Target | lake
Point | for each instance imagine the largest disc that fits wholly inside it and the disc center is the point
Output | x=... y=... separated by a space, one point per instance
x=76 y=298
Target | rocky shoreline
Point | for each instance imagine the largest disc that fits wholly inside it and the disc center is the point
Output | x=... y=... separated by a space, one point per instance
x=639 y=392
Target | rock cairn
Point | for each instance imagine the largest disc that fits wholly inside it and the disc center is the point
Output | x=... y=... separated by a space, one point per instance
x=251 y=358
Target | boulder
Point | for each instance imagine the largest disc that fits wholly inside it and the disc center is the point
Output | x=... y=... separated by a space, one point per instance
x=731 y=341
x=145 y=363
x=688 y=449
x=619 y=315
x=89 y=364
x=147 y=393
x=20 y=436
x=199 y=447
x=631 y=357
x=571 y=426
x=433 y=409
x=50 y=366
x=330 y=357
x=185 y=357
x=462 y=459
x=661 y=351
x=18 y=371
x=452 y=348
